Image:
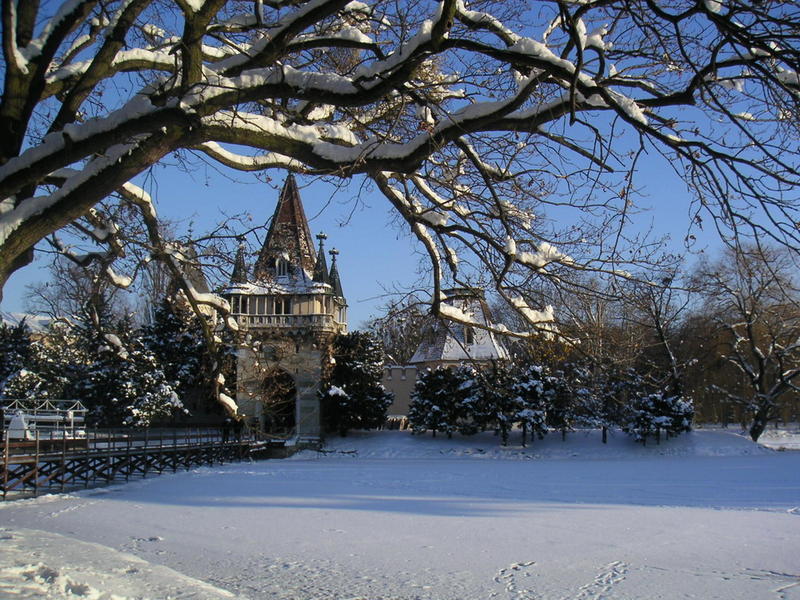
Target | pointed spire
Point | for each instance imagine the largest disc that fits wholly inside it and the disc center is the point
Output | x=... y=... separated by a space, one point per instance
x=334 y=276
x=288 y=238
x=239 y=274
x=321 y=268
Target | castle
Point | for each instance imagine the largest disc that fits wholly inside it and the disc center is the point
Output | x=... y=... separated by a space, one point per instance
x=288 y=311
x=290 y=308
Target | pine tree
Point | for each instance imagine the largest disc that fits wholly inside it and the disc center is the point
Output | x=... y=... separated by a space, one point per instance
x=531 y=389
x=447 y=400
x=123 y=384
x=564 y=384
x=53 y=365
x=15 y=354
x=176 y=340
x=353 y=396
x=658 y=411
x=501 y=404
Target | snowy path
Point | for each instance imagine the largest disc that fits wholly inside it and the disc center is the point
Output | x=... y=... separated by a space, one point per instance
x=409 y=518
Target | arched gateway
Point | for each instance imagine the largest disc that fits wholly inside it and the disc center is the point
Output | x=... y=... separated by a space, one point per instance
x=278 y=403
x=288 y=312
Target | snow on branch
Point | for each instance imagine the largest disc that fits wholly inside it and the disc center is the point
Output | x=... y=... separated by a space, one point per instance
x=484 y=115
x=242 y=162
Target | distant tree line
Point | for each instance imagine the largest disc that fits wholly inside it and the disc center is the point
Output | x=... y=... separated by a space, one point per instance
x=723 y=333
x=537 y=400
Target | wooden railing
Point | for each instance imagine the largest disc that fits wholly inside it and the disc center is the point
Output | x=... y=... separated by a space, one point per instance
x=43 y=465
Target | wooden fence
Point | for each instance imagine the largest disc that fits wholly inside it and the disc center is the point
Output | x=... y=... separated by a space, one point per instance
x=44 y=465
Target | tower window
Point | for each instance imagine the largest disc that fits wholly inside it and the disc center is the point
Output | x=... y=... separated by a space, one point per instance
x=469 y=335
x=281 y=267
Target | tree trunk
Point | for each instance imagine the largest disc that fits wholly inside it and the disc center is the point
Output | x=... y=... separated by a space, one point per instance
x=605 y=434
x=760 y=421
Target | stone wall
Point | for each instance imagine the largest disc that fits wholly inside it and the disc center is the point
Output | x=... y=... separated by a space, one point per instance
x=400 y=381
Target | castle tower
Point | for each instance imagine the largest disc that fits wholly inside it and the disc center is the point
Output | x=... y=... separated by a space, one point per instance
x=288 y=312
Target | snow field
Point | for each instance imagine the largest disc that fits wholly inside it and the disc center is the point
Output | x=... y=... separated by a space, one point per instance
x=391 y=516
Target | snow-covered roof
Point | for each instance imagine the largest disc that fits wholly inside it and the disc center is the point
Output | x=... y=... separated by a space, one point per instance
x=281 y=285
x=288 y=238
x=36 y=323
x=288 y=263
x=451 y=342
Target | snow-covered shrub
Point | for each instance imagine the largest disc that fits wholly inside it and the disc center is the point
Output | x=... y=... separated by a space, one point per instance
x=353 y=397
x=651 y=413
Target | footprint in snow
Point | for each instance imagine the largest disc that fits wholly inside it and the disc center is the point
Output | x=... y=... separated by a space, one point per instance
x=508 y=578
x=602 y=584
x=609 y=576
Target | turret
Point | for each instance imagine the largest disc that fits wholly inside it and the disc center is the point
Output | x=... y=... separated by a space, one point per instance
x=239 y=274
x=334 y=280
x=321 y=268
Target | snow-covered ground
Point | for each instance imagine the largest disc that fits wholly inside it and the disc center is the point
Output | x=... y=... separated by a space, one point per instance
x=388 y=515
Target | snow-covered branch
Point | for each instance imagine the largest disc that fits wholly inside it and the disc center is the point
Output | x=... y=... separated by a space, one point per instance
x=472 y=118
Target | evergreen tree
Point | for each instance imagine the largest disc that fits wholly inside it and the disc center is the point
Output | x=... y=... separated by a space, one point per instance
x=500 y=403
x=176 y=340
x=531 y=389
x=564 y=384
x=653 y=412
x=15 y=354
x=61 y=362
x=616 y=388
x=448 y=400
x=641 y=418
x=353 y=396
x=123 y=384
x=53 y=366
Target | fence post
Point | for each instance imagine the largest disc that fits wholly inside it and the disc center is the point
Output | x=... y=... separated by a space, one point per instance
x=146 y=455
x=5 y=464
x=63 y=472
x=128 y=460
x=36 y=467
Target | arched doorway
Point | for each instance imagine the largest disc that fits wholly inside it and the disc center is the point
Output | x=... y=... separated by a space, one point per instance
x=278 y=399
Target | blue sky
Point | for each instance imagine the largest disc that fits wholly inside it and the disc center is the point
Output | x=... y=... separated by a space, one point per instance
x=376 y=256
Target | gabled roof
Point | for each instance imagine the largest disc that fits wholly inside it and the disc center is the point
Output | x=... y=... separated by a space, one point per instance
x=288 y=238
x=451 y=342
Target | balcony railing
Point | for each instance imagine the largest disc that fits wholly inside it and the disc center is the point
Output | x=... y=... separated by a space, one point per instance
x=319 y=321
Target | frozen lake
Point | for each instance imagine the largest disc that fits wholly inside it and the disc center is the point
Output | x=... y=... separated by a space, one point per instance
x=393 y=516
